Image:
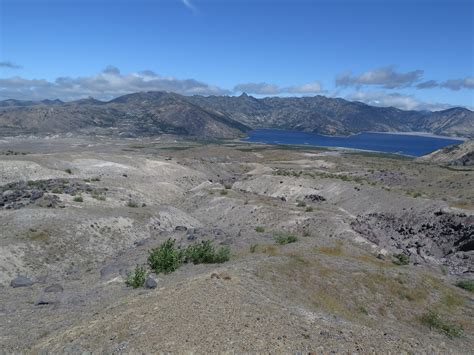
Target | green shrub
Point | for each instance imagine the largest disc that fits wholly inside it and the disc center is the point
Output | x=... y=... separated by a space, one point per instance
x=132 y=204
x=301 y=204
x=285 y=239
x=227 y=186
x=69 y=171
x=223 y=192
x=309 y=209
x=78 y=199
x=466 y=284
x=253 y=248
x=137 y=278
x=100 y=197
x=166 y=258
x=259 y=229
x=57 y=190
x=206 y=253
x=434 y=320
x=401 y=259
x=95 y=179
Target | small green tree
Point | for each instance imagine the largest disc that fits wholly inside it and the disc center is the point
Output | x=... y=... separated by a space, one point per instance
x=137 y=278
x=166 y=258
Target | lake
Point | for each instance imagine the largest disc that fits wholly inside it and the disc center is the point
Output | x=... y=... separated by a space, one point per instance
x=406 y=144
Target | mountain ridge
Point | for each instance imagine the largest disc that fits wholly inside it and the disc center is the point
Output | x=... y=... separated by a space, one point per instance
x=157 y=112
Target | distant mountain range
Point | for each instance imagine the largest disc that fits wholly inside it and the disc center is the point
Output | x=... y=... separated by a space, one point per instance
x=150 y=113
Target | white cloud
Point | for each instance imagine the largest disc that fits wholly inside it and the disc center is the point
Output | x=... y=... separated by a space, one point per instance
x=458 y=84
x=309 y=88
x=189 y=5
x=386 y=77
x=404 y=102
x=258 y=88
x=273 y=89
x=9 y=65
x=105 y=85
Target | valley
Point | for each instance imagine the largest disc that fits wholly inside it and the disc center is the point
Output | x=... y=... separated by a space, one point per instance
x=330 y=249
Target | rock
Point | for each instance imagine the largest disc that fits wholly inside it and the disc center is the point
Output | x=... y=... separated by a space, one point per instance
x=48 y=201
x=54 y=288
x=314 y=198
x=150 y=282
x=21 y=281
x=181 y=228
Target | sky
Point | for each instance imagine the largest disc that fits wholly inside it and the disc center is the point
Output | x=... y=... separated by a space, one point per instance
x=410 y=54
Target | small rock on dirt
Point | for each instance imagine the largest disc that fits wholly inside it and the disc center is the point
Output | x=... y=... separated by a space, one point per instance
x=21 y=281
x=150 y=282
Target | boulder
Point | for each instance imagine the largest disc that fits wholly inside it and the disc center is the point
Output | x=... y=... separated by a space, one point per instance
x=150 y=282
x=21 y=281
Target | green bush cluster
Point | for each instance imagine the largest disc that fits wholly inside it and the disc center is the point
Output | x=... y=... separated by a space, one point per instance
x=434 y=320
x=259 y=229
x=467 y=285
x=285 y=239
x=167 y=257
x=206 y=253
x=401 y=259
x=137 y=278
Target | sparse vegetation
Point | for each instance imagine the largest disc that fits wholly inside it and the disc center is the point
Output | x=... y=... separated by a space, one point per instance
x=301 y=204
x=57 y=190
x=253 y=248
x=137 y=278
x=78 y=199
x=401 y=259
x=69 y=171
x=332 y=251
x=166 y=258
x=206 y=253
x=467 y=285
x=259 y=229
x=434 y=320
x=285 y=239
x=132 y=204
x=309 y=209
x=100 y=197
x=223 y=192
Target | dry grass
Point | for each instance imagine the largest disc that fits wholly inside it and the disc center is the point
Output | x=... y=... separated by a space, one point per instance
x=38 y=235
x=336 y=250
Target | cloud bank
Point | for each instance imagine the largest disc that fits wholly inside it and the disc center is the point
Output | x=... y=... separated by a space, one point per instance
x=386 y=77
x=105 y=85
x=404 y=102
x=9 y=65
x=272 y=89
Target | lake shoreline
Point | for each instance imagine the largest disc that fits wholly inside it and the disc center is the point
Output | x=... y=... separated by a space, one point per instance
x=414 y=144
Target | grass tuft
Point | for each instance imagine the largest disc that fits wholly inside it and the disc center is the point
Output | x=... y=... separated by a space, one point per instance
x=434 y=321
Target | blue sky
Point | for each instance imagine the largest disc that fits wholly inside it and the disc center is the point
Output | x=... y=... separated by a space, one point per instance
x=409 y=54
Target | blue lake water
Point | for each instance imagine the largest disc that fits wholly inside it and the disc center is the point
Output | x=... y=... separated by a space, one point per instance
x=380 y=142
